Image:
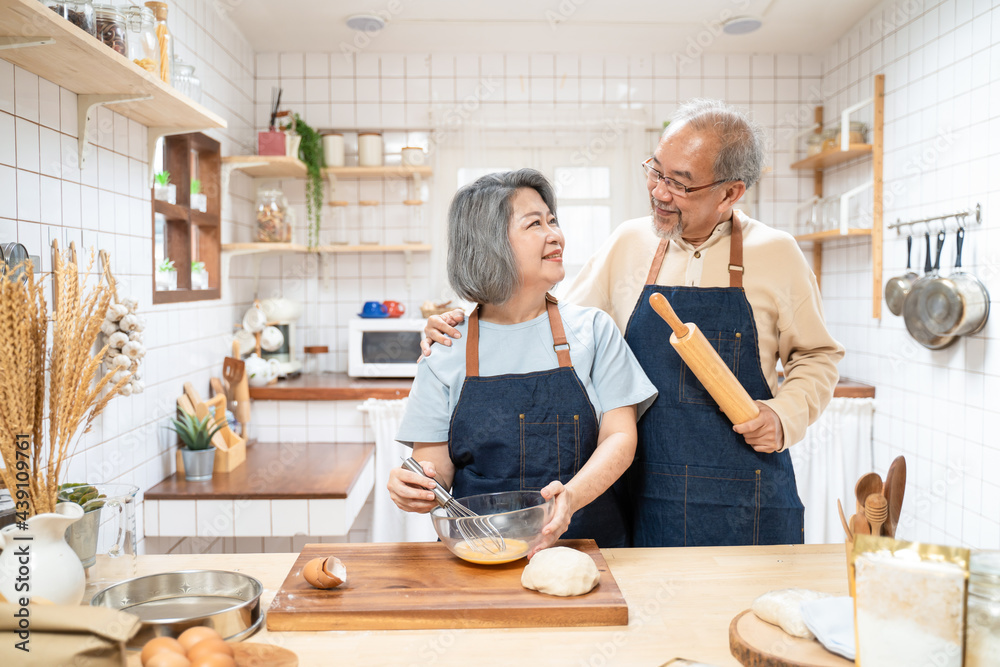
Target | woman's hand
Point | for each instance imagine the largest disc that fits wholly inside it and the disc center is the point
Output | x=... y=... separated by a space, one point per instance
x=412 y=492
x=564 y=509
x=441 y=329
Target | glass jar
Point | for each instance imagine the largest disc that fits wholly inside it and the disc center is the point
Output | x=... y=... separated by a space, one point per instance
x=982 y=625
x=78 y=12
x=814 y=144
x=164 y=39
x=185 y=82
x=143 y=47
x=371 y=232
x=415 y=221
x=272 y=217
x=335 y=231
x=111 y=28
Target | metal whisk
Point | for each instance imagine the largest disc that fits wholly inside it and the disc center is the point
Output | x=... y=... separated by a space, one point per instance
x=476 y=530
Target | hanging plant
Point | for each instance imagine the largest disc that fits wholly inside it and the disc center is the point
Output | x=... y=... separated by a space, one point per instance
x=311 y=153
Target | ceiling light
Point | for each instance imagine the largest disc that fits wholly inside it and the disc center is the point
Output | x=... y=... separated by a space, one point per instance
x=741 y=25
x=365 y=23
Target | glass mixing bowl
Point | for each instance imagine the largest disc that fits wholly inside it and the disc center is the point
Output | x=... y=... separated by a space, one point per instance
x=518 y=516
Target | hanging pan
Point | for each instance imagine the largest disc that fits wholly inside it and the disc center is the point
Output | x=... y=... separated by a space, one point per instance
x=958 y=305
x=912 y=316
x=898 y=286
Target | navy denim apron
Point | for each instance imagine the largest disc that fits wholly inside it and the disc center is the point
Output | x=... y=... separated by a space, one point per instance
x=519 y=432
x=696 y=482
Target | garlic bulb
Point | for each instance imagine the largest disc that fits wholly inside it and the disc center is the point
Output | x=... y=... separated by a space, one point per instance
x=120 y=361
x=119 y=376
x=138 y=386
x=116 y=312
x=134 y=350
x=130 y=304
x=108 y=327
x=135 y=336
x=118 y=339
x=140 y=323
x=125 y=390
x=128 y=323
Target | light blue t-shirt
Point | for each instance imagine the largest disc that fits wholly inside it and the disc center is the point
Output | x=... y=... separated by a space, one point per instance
x=601 y=358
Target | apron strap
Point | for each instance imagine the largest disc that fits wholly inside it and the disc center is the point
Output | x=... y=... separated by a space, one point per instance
x=559 y=342
x=736 y=254
x=558 y=332
x=472 y=345
x=735 y=257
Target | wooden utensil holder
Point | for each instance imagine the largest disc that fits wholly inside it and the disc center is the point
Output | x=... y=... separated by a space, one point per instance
x=230 y=449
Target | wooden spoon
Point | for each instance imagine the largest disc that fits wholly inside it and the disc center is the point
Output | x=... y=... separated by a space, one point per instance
x=867 y=484
x=843 y=520
x=893 y=490
x=876 y=511
x=860 y=525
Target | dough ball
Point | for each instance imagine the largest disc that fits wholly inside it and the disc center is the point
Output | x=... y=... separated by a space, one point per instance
x=784 y=609
x=561 y=571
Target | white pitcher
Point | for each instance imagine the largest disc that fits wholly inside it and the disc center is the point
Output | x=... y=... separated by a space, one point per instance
x=40 y=559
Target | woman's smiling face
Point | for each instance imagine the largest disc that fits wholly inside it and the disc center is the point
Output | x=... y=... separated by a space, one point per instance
x=537 y=241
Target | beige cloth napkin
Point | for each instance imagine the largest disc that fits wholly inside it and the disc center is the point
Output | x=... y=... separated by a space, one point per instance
x=65 y=635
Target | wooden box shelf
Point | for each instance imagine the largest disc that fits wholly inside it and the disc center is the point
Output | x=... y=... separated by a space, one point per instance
x=833 y=158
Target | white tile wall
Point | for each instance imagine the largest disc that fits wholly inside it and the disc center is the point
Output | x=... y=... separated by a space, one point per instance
x=942 y=153
x=44 y=196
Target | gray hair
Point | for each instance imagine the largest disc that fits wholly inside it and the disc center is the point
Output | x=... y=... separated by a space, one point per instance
x=742 y=154
x=481 y=263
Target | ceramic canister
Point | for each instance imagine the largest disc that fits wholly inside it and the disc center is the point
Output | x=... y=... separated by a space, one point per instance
x=412 y=156
x=370 y=149
x=333 y=149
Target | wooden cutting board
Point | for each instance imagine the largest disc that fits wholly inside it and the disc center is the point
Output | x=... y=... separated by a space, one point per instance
x=422 y=586
x=756 y=643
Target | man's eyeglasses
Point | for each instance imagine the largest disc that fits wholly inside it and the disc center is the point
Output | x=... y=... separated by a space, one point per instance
x=676 y=188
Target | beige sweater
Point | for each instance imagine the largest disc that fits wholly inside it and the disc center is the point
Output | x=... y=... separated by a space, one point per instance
x=779 y=284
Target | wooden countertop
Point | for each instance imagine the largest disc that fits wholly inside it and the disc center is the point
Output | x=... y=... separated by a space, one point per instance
x=341 y=387
x=681 y=602
x=332 y=387
x=278 y=471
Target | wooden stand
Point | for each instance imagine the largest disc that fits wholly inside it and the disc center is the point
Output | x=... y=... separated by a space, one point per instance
x=755 y=643
x=230 y=449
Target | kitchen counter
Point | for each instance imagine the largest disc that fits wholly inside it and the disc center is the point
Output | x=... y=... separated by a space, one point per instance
x=341 y=387
x=681 y=602
x=332 y=387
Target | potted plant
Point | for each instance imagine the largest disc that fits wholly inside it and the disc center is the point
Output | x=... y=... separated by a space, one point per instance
x=166 y=276
x=198 y=452
x=199 y=200
x=82 y=535
x=310 y=151
x=164 y=190
x=199 y=275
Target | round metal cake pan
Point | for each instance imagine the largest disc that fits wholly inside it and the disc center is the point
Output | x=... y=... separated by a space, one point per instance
x=171 y=602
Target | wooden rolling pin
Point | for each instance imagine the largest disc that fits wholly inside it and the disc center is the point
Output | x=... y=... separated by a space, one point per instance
x=706 y=364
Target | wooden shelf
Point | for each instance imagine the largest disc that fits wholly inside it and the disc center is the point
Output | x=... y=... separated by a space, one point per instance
x=332 y=387
x=258 y=248
x=267 y=166
x=832 y=234
x=833 y=158
x=281 y=166
x=84 y=65
x=377 y=172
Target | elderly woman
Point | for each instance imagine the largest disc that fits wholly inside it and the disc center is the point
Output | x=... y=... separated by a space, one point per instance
x=534 y=394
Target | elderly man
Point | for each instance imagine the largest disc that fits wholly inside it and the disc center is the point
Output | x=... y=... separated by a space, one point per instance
x=698 y=480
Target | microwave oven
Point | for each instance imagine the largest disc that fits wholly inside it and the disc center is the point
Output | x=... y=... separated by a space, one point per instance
x=383 y=347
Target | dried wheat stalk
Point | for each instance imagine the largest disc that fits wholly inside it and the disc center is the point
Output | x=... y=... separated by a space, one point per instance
x=76 y=381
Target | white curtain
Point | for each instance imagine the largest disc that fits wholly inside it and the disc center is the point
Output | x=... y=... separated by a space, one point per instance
x=389 y=523
x=836 y=451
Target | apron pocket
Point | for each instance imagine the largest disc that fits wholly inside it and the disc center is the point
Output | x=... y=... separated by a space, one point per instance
x=727 y=344
x=698 y=506
x=549 y=448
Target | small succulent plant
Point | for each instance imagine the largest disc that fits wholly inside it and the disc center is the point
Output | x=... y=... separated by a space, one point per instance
x=85 y=495
x=195 y=433
x=166 y=265
x=162 y=178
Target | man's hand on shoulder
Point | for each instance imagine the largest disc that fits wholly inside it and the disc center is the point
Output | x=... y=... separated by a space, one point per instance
x=441 y=329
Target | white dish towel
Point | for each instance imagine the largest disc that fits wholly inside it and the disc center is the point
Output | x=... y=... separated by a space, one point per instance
x=389 y=523
x=832 y=621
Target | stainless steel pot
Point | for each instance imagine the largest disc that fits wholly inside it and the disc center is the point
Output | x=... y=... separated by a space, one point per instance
x=958 y=305
x=912 y=314
x=898 y=286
